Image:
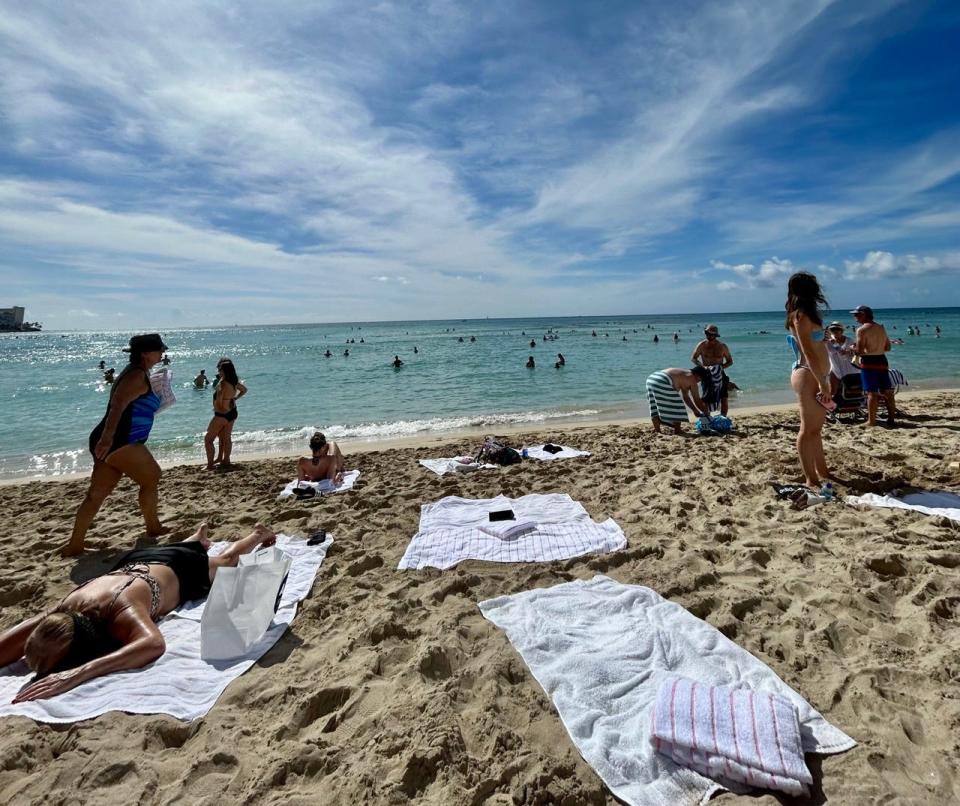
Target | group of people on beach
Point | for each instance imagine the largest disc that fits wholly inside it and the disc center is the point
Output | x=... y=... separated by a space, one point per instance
x=825 y=357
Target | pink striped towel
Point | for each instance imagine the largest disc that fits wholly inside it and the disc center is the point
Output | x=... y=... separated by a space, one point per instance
x=752 y=737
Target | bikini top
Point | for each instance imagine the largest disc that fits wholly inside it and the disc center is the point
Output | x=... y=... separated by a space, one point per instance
x=816 y=335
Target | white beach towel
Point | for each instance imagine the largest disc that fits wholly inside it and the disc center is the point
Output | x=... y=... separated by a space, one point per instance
x=731 y=734
x=455 y=529
x=944 y=504
x=453 y=464
x=324 y=487
x=537 y=452
x=601 y=649
x=179 y=683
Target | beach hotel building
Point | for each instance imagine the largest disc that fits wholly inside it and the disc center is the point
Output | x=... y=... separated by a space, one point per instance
x=12 y=317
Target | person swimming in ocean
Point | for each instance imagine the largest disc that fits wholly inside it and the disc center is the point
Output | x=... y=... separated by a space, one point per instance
x=201 y=381
x=397 y=363
x=531 y=364
x=108 y=375
x=561 y=360
x=327 y=354
x=325 y=461
x=533 y=343
x=109 y=623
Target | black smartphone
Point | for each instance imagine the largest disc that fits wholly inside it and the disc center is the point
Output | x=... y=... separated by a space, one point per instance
x=502 y=515
x=317 y=537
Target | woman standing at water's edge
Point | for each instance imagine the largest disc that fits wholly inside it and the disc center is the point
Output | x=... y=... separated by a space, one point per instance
x=117 y=443
x=228 y=390
x=810 y=378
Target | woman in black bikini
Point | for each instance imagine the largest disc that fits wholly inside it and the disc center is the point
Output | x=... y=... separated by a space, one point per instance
x=109 y=623
x=227 y=391
x=117 y=443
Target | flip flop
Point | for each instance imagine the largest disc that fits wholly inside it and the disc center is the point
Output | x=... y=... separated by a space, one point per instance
x=828 y=404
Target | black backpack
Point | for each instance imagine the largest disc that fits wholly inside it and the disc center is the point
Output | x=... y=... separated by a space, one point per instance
x=496 y=453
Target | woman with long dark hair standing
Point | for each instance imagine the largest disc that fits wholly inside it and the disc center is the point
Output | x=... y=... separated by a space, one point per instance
x=227 y=391
x=118 y=442
x=810 y=378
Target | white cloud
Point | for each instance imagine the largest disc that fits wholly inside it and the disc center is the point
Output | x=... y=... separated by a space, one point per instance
x=878 y=264
x=769 y=273
x=726 y=285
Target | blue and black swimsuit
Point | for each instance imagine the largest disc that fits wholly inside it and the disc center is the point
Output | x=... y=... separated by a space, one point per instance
x=135 y=421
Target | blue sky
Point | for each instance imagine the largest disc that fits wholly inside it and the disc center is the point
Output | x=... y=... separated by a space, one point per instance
x=185 y=163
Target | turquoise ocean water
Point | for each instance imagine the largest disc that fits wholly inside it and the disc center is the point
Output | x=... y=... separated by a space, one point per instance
x=52 y=395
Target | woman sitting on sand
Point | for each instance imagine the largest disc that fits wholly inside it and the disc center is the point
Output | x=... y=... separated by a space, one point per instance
x=228 y=390
x=117 y=443
x=108 y=624
x=325 y=461
x=810 y=378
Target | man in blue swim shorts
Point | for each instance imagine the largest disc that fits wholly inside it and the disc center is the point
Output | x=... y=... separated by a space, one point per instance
x=872 y=345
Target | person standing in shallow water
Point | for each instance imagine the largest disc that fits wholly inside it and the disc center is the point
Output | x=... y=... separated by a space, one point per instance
x=118 y=442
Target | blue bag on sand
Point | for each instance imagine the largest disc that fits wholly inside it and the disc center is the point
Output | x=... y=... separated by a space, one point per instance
x=718 y=424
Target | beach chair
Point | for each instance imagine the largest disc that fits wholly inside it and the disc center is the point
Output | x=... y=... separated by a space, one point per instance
x=850 y=399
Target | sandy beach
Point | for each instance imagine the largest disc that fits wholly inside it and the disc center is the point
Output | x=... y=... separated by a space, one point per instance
x=392 y=688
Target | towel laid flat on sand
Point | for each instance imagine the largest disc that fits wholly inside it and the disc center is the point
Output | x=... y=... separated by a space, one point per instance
x=945 y=504
x=537 y=452
x=731 y=734
x=179 y=683
x=452 y=464
x=323 y=487
x=601 y=650
x=454 y=529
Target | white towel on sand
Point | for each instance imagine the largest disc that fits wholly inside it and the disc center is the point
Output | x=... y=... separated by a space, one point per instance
x=454 y=529
x=537 y=452
x=600 y=650
x=452 y=464
x=179 y=683
x=324 y=487
x=945 y=504
x=731 y=734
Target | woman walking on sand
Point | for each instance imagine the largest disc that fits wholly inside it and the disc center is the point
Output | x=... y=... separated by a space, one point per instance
x=227 y=391
x=118 y=442
x=810 y=378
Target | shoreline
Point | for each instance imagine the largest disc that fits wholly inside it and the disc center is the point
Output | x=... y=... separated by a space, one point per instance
x=429 y=439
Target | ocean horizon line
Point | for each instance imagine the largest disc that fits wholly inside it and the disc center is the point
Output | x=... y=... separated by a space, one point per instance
x=253 y=325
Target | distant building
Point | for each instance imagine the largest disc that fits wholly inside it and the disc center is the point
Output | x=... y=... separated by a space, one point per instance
x=12 y=318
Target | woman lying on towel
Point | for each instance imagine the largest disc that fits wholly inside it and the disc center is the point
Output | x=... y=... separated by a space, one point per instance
x=108 y=624
x=325 y=461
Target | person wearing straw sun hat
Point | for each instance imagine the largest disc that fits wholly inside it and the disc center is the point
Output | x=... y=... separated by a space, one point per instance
x=118 y=442
x=715 y=356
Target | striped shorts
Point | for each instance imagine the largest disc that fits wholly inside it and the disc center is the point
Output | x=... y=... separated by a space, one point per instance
x=665 y=401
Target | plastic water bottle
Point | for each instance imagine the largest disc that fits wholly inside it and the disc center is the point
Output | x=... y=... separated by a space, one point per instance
x=827 y=491
x=524 y=454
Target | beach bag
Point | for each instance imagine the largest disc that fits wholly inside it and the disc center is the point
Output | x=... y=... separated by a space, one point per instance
x=161 y=382
x=242 y=603
x=496 y=453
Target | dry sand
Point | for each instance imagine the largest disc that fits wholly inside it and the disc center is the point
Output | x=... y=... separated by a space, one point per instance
x=391 y=687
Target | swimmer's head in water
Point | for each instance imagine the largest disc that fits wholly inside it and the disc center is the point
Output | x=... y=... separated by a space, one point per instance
x=317 y=441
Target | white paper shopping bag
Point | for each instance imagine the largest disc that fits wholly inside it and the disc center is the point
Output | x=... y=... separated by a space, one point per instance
x=241 y=604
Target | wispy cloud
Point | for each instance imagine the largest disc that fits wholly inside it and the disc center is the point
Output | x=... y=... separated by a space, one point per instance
x=879 y=265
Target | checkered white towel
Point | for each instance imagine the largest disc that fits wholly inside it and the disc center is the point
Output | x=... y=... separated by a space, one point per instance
x=455 y=529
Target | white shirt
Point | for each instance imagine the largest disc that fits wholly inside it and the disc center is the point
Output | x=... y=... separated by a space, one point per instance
x=839 y=355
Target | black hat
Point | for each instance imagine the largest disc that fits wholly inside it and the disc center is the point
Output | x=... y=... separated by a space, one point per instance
x=866 y=310
x=146 y=343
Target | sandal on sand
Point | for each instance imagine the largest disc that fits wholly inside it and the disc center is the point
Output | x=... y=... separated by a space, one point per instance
x=799 y=499
x=829 y=404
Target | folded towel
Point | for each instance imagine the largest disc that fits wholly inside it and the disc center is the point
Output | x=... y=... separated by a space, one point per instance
x=565 y=452
x=323 y=487
x=179 y=683
x=453 y=464
x=944 y=504
x=600 y=649
x=731 y=734
x=455 y=529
